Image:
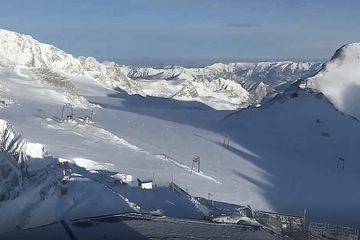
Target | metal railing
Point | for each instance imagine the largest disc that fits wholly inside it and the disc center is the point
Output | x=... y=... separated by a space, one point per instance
x=325 y=231
x=290 y=225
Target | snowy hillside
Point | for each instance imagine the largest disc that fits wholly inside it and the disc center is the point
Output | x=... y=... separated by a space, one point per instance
x=339 y=79
x=28 y=55
x=221 y=86
x=297 y=145
x=127 y=140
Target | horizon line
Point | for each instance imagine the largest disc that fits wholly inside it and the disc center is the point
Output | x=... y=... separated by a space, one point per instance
x=198 y=62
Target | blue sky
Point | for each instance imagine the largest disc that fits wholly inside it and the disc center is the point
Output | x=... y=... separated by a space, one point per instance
x=149 y=30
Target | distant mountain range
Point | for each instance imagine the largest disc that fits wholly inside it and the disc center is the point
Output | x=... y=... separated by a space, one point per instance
x=221 y=86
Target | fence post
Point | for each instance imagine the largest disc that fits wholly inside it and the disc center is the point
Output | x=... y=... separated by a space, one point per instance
x=343 y=161
x=153 y=181
x=210 y=196
x=196 y=160
x=67 y=106
x=304 y=223
x=226 y=141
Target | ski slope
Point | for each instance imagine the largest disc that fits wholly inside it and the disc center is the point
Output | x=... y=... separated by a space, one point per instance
x=122 y=139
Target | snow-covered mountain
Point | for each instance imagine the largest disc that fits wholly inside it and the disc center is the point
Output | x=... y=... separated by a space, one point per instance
x=307 y=130
x=258 y=79
x=270 y=73
x=27 y=54
x=221 y=86
x=339 y=79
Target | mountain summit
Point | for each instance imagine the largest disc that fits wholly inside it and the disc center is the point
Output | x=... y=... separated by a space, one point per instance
x=339 y=79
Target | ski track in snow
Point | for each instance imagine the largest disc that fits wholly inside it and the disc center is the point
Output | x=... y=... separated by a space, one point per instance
x=185 y=168
x=131 y=204
x=104 y=135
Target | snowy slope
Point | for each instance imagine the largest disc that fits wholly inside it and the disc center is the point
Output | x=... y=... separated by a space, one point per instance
x=296 y=141
x=122 y=140
x=24 y=52
x=339 y=79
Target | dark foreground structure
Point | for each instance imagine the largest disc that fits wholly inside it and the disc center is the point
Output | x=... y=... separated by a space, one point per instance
x=137 y=226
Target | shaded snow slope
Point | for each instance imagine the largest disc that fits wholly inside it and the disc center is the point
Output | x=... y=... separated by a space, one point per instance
x=339 y=79
x=298 y=139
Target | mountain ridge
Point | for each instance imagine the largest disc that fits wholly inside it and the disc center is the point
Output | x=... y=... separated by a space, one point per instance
x=338 y=79
x=23 y=52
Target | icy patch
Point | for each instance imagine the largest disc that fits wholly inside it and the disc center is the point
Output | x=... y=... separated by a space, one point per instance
x=74 y=175
x=3 y=88
x=34 y=150
x=134 y=206
x=157 y=212
x=88 y=164
x=5 y=102
x=123 y=177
